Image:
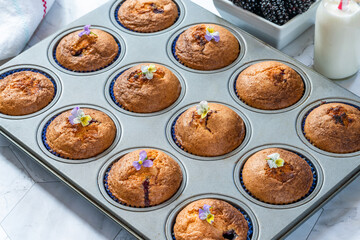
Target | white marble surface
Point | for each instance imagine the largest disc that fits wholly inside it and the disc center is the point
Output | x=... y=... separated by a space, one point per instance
x=35 y=205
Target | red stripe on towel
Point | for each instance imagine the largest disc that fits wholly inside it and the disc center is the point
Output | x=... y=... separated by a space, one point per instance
x=45 y=7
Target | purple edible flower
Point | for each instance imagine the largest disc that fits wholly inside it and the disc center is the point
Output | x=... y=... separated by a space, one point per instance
x=86 y=31
x=74 y=114
x=205 y=214
x=211 y=34
x=143 y=161
x=78 y=116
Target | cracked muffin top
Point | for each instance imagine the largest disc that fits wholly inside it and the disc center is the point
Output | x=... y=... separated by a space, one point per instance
x=269 y=85
x=146 y=88
x=148 y=15
x=207 y=47
x=210 y=219
x=25 y=92
x=145 y=177
x=92 y=134
x=277 y=176
x=87 y=50
x=334 y=127
x=209 y=130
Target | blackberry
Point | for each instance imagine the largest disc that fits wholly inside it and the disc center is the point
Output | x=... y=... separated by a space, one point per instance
x=295 y=7
x=249 y=5
x=274 y=11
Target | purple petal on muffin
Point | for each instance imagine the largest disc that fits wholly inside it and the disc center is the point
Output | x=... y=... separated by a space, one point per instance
x=206 y=208
x=202 y=214
x=137 y=165
x=147 y=163
x=74 y=115
x=211 y=34
x=216 y=37
x=78 y=116
x=75 y=111
x=142 y=155
x=71 y=119
x=85 y=31
x=205 y=214
x=208 y=37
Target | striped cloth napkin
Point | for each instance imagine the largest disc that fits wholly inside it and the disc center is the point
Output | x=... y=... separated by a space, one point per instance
x=18 y=21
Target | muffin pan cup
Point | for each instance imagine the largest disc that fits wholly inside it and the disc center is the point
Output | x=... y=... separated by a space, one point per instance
x=36 y=69
x=214 y=178
x=103 y=182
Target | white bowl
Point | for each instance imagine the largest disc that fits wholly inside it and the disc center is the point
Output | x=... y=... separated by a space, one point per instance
x=275 y=35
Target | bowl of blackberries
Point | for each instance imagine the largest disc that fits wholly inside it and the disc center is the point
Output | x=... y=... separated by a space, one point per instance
x=277 y=22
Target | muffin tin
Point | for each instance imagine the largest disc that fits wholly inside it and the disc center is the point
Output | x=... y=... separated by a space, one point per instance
x=204 y=177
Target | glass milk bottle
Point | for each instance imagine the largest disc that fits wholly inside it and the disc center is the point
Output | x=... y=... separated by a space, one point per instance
x=337 y=38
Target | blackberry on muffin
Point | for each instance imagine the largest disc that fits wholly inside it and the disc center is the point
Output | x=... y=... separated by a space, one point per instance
x=144 y=178
x=87 y=50
x=146 y=88
x=25 y=92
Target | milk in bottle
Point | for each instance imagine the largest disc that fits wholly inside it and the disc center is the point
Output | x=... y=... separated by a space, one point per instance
x=337 y=38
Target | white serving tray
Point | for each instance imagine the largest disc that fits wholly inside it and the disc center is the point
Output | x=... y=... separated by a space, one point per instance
x=273 y=34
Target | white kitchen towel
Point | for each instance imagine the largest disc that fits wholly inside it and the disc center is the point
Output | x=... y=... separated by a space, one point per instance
x=18 y=21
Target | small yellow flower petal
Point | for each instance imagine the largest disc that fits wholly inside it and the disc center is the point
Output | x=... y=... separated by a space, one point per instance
x=210 y=218
x=279 y=162
x=85 y=120
x=203 y=115
x=210 y=29
x=152 y=68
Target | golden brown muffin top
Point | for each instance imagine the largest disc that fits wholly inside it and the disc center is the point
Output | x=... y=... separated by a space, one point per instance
x=136 y=93
x=148 y=15
x=229 y=223
x=25 y=92
x=269 y=85
x=78 y=142
x=194 y=51
x=88 y=52
x=220 y=132
x=334 y=127
x=148 y=186
x=281 y=185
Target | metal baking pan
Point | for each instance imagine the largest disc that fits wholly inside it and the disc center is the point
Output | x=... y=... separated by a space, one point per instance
x=219 y=176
